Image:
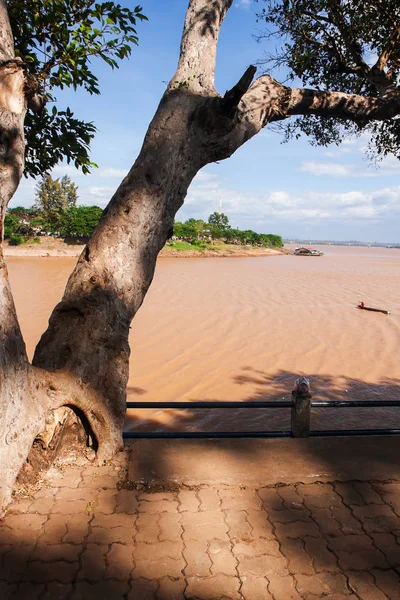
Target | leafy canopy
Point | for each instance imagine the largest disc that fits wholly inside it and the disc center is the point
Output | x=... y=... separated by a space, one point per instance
x=58 y=40
x=53 y=198
x=347 y=45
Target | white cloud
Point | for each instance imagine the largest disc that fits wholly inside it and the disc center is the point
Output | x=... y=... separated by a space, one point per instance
x=104 y=172
x=281 y=207
x=390 y=166
x=330 y=169
x=243 y=3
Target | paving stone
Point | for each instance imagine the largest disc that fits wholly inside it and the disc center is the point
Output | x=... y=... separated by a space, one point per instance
x=270 y=499
x=77 y=527
x=104 y=502
x=62 y=571
x=54 y=529
x=120 y=562
x=376 y=518
x=323 y=559
x=239 y=526
x=99 y=471
x=93 y=561
x=22 y=528
x=143 y=589
x=322 y=585
x=387 y=544
x=158 y=497
x=209 y=499
x=256 y=547
x=261 y=526
x=19 y=505
x=325 y=521
x=69 y=507
x=260 y=566
x=255 y=588
x=57 y=591
x=28 y=591
x=350 y=496
x=299 y=529
x=291 y=499
x=367 y=492
x=188 y=501
x=197 y=558
x=222 y=558
x=348 y=524
x=115 y=520
x=102 y=482
x=157 y=507
x=15 y=563
x=299 y=560
x=158 y=567
x=147 y=528
x=284 y=588
x=388 y=582
x=236 y=499
x=70 y=478
x=363 y=585
x=394 y=501
x=69 y=494
x=205 y=525
x=209 y=588
x=170 y=528
x=171 y=589
x=356 y=552
x=319 y=495
x=104 y=590
x=103 y=535
x=289 y=515
x=8 y=591
x=52 y=552
x=126 y=502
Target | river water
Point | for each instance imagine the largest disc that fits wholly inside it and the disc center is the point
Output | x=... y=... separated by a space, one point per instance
x=243 y=329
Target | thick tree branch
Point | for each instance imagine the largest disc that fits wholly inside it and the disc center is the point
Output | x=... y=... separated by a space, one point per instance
x=230 y=101
x=6 y=37
x=388 y=50
x=268 y=100
x=199 y=45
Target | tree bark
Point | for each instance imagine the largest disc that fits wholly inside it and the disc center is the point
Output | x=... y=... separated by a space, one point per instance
x=82 y=360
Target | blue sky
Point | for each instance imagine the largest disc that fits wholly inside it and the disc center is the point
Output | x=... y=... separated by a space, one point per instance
x=293 y=189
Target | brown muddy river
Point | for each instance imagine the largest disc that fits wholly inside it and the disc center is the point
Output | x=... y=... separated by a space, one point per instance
x=244 y=328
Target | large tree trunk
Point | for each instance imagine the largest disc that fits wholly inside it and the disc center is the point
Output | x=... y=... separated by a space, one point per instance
x=82 y=359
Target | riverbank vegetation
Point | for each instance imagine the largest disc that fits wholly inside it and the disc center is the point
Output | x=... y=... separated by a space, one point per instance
x=57 y=214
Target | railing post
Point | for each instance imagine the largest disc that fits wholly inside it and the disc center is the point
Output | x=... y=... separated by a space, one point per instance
x=301 y=409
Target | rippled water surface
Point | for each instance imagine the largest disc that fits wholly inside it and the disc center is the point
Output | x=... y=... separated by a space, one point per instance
x=244 y=328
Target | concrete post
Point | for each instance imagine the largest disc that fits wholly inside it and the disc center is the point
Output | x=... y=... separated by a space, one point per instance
x=301 y=409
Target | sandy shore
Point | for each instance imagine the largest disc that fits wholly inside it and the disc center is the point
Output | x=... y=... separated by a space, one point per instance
x=56 y=247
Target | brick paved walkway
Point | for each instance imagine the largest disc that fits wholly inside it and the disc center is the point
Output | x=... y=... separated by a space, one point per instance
x=86 y=534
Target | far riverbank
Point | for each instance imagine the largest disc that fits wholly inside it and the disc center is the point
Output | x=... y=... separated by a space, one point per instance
x=50 y=246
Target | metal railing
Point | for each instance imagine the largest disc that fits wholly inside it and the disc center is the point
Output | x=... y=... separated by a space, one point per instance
x=300 y=406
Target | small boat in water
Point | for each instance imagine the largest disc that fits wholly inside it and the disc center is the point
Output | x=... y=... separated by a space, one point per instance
x=307 y=252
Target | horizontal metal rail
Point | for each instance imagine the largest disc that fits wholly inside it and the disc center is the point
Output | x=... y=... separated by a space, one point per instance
x=205 y=434
x=338 y=432
x=354 y=403
x=300 y=407
x=212 y=404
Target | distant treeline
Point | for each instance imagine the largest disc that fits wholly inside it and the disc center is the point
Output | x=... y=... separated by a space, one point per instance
x=56 y=213
x=218 y=228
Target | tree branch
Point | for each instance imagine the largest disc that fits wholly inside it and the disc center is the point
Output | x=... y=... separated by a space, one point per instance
x=199 y=45
x=387 y=52
x=268 y=100
x=230 y=101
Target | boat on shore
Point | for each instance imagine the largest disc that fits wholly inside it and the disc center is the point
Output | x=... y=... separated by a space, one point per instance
x=307 y=252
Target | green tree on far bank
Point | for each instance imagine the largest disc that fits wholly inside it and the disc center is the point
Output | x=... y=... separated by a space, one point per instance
x=54 y=197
